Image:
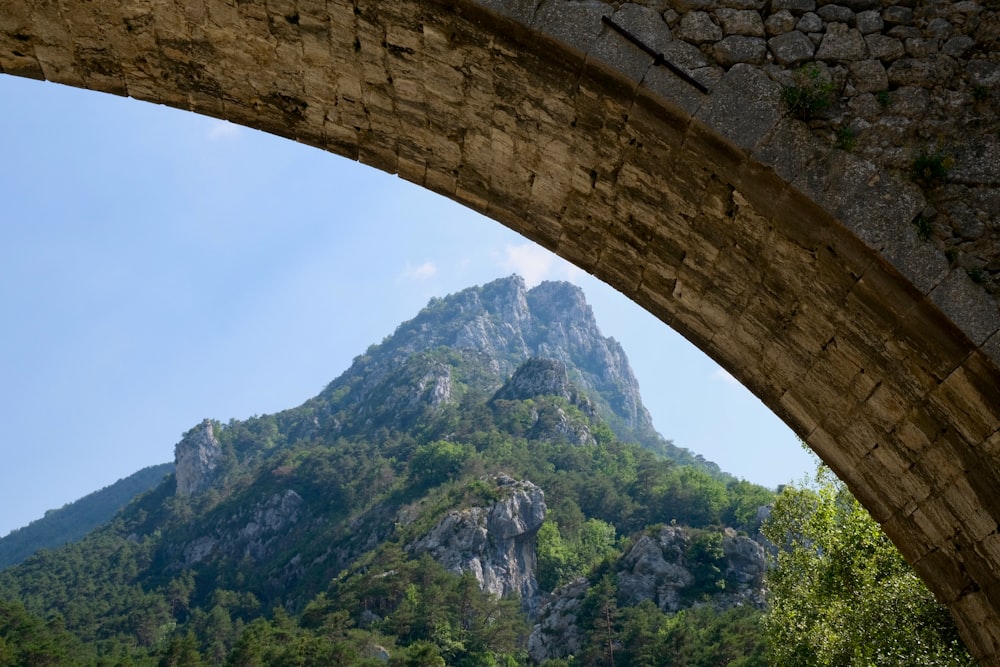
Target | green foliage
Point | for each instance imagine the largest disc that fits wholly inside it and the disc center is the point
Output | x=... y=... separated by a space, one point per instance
x=840 y=593
x=847 y=139
x=978 y=274
x=980 y=93
x=924 y=227
x=560 y=560
x=706 y=559
x=810 y=95
x=436 y=462
x=930 y=168
x=884 y=99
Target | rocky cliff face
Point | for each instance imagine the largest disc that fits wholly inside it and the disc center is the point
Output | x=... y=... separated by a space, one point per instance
x=496 y=543
x=502 y=325
x=197 y=458
x=661 y=567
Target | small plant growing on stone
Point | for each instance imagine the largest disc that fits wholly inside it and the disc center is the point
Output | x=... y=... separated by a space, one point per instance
x=810 y=95
x=883 y=98
x=923 y=227
x=977 y=274
x=930 y=169
x=951 y=254
x=847 y=139
x=980 y=93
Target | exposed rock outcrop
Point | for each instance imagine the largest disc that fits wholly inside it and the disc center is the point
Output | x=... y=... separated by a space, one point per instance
x=496 y=543
x=663 y=568
x=251 y=533
x=503 y=324
x=197 y=458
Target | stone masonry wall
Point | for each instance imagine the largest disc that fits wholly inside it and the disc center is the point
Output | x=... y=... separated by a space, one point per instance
x=912 y=86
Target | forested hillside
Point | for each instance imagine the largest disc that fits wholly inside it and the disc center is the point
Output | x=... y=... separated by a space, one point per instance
x=74 y=520
x=481 y=488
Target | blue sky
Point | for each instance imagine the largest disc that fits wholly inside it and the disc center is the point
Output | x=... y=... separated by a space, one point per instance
x=158 y=267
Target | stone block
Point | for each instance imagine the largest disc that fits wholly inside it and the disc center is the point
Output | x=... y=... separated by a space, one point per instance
x=739 y=49
x=835 y=14
x=842 y=44
x=897 y=15
x=810 y=22
x=744 y=106
x=868 y=22
x=577 y=24
x=797 y=7
x=791 y=48
x=884 y=48
x=740 y=22
x=868 y=76
x=779 y=23
x=698 y=28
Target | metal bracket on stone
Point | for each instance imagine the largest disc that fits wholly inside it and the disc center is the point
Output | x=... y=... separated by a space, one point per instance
x=658 y=58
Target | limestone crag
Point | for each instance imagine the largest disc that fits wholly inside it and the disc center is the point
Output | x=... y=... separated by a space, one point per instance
x=548 y=377
x=502 y=324
x=252 y=533
x=660 y=567
x=196 y=458
x=496 y=543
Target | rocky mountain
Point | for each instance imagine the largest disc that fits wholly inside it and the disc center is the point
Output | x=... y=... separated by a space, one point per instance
x=488 y=468
x=474 y=340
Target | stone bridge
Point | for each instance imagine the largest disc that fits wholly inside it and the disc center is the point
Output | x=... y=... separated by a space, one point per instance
x=807 y=191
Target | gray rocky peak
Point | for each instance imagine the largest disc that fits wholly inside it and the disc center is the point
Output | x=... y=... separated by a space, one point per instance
x=495 y=543
x=196 y=458
x=538 y=377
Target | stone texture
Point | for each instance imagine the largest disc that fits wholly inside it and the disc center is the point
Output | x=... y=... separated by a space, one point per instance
x=780 y=22
x=738 y=49
x=496 y=543
x=792 y=48
x=842 y=44
x=740 y=22
x=197 y=458
x=869 y=76
x=698 y=28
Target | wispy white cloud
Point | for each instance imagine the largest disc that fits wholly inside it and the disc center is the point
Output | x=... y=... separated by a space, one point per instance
x=417 y=273
x=223 y=130
x=723 y=375
x=535 y=264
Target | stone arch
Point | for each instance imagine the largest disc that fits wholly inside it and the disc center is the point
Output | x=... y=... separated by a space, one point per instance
x=793 y=265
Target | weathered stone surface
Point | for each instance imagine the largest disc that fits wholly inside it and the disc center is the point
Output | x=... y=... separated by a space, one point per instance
x=810 y=22
x=791 y=48
x=698 y=28
x=780 y=22
x=739 y=49
x=842 y=43
x=869 y=76
x=496 y=543
x=885 y=48
x=197 y=458
x=868 y=22
x=798 y=7
x=898 y=15
x=835 y=14
x=740 y=22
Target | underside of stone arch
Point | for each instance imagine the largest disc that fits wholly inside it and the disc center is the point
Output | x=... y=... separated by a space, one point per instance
x=561 y=128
